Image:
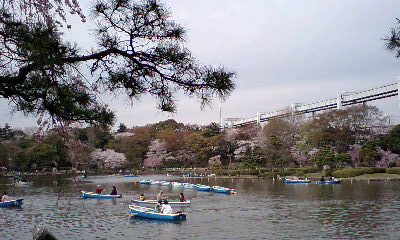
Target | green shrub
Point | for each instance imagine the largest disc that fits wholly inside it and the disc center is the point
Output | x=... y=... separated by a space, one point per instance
x=289 y=172
x=379 y=170
x=392 y=164
x=264 y=170
x=268 y=175
x=299 y=173
x=234 y=173
x=352 y=172
x=393 y=170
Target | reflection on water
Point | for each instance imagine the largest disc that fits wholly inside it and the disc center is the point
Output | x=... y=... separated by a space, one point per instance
x=263 y=209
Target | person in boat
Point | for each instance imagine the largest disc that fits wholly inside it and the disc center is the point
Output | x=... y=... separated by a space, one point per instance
x=181 y=197
x=322 y=179
x=330 y=178
x=99 y=190
x=160 y=196
x=158 y=207
x=114 y=191
x=5 y=198
x=141 y=197
x=166 y=208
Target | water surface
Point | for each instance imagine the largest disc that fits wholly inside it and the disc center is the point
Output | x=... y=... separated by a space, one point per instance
x=263 y=209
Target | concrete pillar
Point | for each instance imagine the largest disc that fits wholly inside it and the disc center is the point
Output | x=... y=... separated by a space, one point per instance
x=339 y=101
x=293 y=108
x=258 y=118
x=398 y=90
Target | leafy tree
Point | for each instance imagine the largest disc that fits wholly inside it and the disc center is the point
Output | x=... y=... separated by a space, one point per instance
x=393 y=40
x=140 y=50
x=6 y=133
x=4 y=154
x=61 y=151
x=343 y=159
x=280 y=136
x=392 y=140
x=39 y=156
x=134 y=147
x=343 y=128
x=325 y=156
x=369 y=154
x=122 y=128
x=98 y=136
x=212 y=130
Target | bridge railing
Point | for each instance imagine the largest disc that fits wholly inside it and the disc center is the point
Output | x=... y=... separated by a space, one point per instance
x=343 y=99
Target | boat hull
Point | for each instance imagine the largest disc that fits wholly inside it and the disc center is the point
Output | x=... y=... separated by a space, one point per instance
x=99 y=196
x=142 y=212
x=145 y=182
x=297 y=182
x=153 y=203
x=130 y=176
x=222 y=190
x=328 y=182
x=13 y=203
x=205 y=189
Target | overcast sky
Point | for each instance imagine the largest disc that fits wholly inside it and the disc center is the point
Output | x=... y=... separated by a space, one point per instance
x=283 y=52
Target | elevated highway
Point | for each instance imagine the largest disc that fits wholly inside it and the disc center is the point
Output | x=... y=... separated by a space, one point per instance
x=343 y=99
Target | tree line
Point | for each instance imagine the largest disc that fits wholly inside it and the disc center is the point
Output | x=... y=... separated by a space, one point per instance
x=357 y=136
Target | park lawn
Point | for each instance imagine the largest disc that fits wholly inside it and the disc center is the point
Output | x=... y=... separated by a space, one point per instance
x=377 y=176
x=314 y=175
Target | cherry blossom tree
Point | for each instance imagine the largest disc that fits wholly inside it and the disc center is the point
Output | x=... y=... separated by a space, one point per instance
x=156 y=154
x=109 y=158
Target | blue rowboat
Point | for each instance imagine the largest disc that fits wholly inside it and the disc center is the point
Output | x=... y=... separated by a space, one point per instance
x=177 y=184
x=165 y=183
x=153 y=203
x=99 y=196
x=224 y=190
x=145 y=181
x=329 y=182
x=190 y=186
x=143 y=212
x=12 y=203
x=131 y=176
x=204 y=188
x=288 y=180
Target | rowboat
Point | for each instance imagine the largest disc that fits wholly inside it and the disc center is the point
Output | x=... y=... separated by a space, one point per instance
x=155 y=182
x=98 y=196
x=21 y=183
x=337 y=181
x=12 y=203
x=165 y=183
x=204 y=188
x=176 y=184
x=288 y=180
x=145 y=181
x=152 y=203
x=224 y=190
x=143 y=212
x=190 y=186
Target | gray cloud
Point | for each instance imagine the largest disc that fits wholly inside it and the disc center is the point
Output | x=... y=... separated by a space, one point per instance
x=283 y=52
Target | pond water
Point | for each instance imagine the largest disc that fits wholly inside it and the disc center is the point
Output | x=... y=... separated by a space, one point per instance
x=262 y=209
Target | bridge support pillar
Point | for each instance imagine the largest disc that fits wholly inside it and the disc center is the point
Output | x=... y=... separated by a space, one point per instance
x=398 y=90
x=339 y=101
